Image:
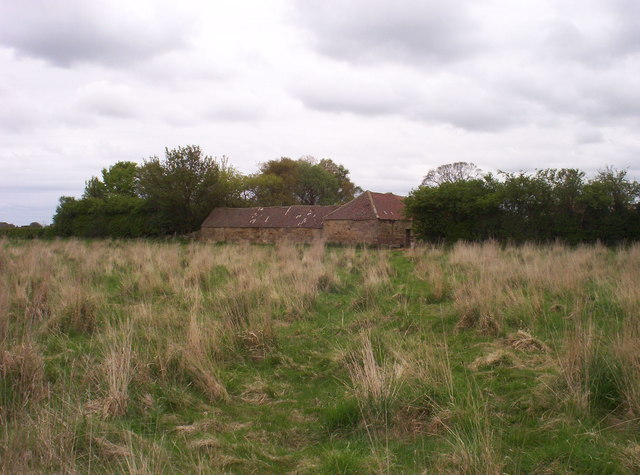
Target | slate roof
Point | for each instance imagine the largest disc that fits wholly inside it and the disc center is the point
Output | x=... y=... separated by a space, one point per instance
x=298 y=216
x=371 y=205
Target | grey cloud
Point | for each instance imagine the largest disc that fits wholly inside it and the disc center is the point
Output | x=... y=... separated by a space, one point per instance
x=73 y=31
x=624 y=28
x=106 y=99
x=17 y=114
x=477 y=118
x=337 y=102
x=235 y=103
x=609 y=34
x=234 y=113
x=447 y=99
x=228 y=104
x=350 y=93
x=565 y=40
x=175 y=69
x=587 y=136
x=592 y=96
x=564 y=61
x=372 y=30
x=471 y=105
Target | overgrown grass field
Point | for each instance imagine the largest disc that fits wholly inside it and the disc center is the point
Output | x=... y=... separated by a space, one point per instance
x=142 y=357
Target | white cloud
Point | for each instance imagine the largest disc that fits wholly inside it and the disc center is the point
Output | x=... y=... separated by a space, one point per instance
x=106 y=99
x=588 y=136
x=74 y=31
x=389 y=89
x=378 y=30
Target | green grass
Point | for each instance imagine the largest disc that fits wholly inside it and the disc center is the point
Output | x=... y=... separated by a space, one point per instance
x=465 y=401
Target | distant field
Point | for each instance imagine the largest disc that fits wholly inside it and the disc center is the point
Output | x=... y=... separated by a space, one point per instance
x=140 y=357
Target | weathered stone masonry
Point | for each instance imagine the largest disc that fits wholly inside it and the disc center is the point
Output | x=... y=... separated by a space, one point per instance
x=261 y=235
x=372 y=231
x=372 y=218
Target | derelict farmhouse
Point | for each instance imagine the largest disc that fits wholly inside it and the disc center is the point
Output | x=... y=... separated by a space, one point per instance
x=375 y=219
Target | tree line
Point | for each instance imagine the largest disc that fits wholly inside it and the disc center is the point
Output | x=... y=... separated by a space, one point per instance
x=174 y=194
x=459 y=202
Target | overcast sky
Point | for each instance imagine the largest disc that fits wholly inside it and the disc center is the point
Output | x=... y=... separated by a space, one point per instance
x=389 y=89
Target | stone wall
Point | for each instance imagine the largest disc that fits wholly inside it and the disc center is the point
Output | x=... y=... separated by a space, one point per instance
x=261 y=235
x=394 y=233
x=373 y=232
x=340 y=231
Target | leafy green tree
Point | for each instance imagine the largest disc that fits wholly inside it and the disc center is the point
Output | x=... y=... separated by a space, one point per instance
x=109 y=207
x=304 y=181
x=119 y=179
x=173 y=195
x=276 y=182
x=451 y=173
x=94 y=188
x=264 y=190
x=466 y=210
x=566 y=211
x=542 y=206
x=185 y=186
x=525 y=203
x=315 y=184
x=64 y=217
x=612 y=190
x=611 y=209
x=346 y=190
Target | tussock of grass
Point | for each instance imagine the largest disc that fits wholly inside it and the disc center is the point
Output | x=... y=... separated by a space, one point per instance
x=474 y=446
x=117 y=368
x=626 y=349
x=22 y=372
x=374 y=385
x=524 y=341
x=495 y=359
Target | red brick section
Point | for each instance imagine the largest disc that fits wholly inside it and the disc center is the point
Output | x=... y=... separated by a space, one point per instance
x=269 y=217
x=370 y=205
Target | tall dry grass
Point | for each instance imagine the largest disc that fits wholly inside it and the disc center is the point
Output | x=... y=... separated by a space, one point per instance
x=89 y=330
x=626 y=348
x=474 y=443
x=428 y=260
x=115 y=372
x=144 y=312
x=65 y=280
x=576 y=363
x=490 y=284
x=585 y=299
x=626 y=345
x=375 y=384
x=376 y=272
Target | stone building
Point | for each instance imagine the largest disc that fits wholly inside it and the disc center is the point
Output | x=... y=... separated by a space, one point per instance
x=372 y=218
x=267 y=224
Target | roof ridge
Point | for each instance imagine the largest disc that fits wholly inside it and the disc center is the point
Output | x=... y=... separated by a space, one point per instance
x=275 y=206
x=304 y=216
x=340 y=207
x=375 y=210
